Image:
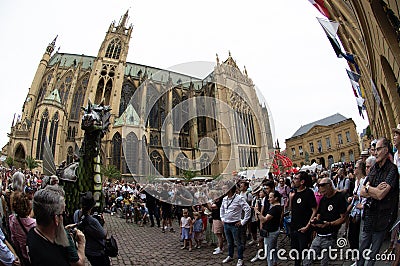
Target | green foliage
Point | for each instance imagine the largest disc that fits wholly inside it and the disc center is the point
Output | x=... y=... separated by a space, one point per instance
x=10 y=161
x=189 y=174
x=111 y=172
x=31 y=163
x=368 y=131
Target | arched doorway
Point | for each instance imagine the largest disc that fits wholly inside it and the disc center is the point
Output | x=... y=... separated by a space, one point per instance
x=322 y=161
x=330 y=160
x=19 y=156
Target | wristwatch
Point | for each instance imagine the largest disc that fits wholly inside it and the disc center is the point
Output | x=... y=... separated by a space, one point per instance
x=366 y=188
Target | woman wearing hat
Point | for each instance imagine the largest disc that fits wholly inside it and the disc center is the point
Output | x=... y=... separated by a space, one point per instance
x=94 y=233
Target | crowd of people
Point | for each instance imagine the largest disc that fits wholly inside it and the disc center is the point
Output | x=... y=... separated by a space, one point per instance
x=358 y=199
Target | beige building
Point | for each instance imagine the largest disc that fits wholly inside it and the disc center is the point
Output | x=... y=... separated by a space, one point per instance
x=177 y=122
x=370 y=30
x=326 y=141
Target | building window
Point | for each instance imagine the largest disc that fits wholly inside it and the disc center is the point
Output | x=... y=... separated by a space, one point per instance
x=70 y=155
x=311 y=147
x=181 y=163
x=342 y=157
x=116 y=150
x=351 y=155
x=65 y=87
x=301 y=150
x=205 y=165
x=127 y=92
x=131 y=151
x=340 y=139
x=114 y=49
x=77 y=101
x=293 y=151
x=348 y=136
x=319 y=146
x=43 y=88
x=42 y=134
x=328 y=143
x=53 y=132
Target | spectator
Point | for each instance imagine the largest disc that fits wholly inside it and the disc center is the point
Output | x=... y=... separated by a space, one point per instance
x=396 y=160
x=20 y=224
x=217 y=225
x=270 y=224
x=381 y=188
x=330 y=215
x=304 y=208
x=48 y=242
x=231 y=213
x=186 y=226
x=7 y=257
x=94 y=232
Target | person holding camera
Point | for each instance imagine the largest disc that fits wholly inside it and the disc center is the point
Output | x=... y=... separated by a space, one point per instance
x=381 y=188
x=331 y=213
x=93 y=230
x=48 y=242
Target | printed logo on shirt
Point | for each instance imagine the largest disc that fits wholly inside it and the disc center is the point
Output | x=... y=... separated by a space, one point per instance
x=330 y=208
x=298 y=200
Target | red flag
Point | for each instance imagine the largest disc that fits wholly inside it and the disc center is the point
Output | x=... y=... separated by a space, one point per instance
x=319 y=4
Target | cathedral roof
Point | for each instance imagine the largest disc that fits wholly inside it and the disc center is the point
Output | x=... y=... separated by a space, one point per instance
x=128 y=117
x=230 y=61
x=54 y=96
x=327 y=121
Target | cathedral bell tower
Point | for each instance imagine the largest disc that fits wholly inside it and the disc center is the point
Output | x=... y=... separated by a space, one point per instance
x=109 y=66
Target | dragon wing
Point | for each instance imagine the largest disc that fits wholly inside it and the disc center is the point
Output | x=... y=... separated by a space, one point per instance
x=49 y=167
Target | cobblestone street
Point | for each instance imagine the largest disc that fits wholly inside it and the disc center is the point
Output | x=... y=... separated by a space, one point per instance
x=148 y=246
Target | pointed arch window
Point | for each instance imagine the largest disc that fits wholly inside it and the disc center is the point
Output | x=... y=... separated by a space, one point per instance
x=70 y=155
x=157 y=162
x=181 y=163
x=128 y=89
x=64 y=88
x=114 y=49
x=43 y=87
x=131 y=152
x=53 y=132
x=42 y=134
x=77 y=101
x=116 y=150
x=177 y=113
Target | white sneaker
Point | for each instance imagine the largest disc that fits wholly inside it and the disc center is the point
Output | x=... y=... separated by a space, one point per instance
x=217 y=251
x=240 y=262
x=254 y=259
x=228 y=259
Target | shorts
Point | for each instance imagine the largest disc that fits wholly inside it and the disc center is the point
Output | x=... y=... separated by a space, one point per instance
x=185 y=233
x=198 y=236
x=217 y=227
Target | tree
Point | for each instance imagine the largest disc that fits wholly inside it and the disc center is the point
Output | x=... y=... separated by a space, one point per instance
x=10 y=161
x=189 y=174
x=111 y=172
x=31 y=163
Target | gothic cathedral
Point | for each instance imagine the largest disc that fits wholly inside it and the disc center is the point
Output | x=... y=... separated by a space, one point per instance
x=162 y=122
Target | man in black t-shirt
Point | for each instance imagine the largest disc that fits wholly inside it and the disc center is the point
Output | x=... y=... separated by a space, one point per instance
x=330 y=215
x=304 y=208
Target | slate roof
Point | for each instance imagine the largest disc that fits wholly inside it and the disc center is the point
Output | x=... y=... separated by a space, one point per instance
x=327 y=121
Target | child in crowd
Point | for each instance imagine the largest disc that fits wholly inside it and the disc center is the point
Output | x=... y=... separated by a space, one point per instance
x=127 y=207
x=186 y=229
x=198 y=229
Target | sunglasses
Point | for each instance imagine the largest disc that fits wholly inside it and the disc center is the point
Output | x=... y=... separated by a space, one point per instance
x=323 y=184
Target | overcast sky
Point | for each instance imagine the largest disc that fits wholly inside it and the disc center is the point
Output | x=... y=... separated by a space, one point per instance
x=281 y=43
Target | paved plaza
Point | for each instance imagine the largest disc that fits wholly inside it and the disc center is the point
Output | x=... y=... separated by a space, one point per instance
x=148 y=246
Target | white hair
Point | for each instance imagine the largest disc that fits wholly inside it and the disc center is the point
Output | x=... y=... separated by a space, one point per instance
x=18 y=180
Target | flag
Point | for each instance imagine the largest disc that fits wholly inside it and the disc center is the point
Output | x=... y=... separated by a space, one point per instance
x=331 y=28
x=354 y=78
x=350 y=58
x=375 y=93
x=360 y=105
x=319 y=4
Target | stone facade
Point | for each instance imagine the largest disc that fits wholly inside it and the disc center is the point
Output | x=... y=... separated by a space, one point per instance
x=329 y=140
x=157 y=115
x=370 y=30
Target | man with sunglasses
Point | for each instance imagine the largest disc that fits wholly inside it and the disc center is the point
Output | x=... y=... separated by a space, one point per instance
x=331 y=214
x=381 y=188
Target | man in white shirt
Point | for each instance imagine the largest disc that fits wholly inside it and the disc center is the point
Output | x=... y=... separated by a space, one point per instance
x=231 y=215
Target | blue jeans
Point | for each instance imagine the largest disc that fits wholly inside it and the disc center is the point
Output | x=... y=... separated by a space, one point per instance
x=271 y=242
x=372 y=241
x=232 y=234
